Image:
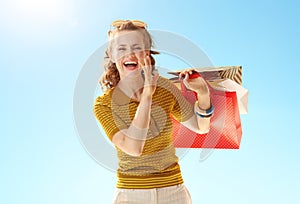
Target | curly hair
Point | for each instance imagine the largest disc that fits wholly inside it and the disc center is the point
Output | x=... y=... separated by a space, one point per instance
x=111 y=76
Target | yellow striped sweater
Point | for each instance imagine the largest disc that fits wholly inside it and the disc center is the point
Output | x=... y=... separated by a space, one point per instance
x=158 y=165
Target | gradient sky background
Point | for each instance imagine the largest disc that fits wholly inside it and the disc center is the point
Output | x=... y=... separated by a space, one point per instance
x=44 y=45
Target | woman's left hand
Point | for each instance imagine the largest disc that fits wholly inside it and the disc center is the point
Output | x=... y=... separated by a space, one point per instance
x=198 y=84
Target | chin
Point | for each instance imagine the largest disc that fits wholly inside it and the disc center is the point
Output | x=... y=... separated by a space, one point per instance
x=130 y=69
x=132 y=72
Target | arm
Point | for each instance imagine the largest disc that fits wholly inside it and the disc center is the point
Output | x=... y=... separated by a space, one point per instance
x=132 y=139
x=129 y=139
x=197 y=122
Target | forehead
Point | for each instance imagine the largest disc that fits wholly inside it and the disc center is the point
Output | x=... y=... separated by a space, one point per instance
x=129 y=38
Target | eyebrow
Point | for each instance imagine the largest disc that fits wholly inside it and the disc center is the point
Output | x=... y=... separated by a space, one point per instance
x=123 y=45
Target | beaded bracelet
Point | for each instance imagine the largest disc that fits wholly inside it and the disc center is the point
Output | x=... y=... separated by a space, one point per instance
x=203 y=113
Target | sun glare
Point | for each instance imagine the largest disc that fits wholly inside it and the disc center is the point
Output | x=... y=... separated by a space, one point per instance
x=44 y=10
x=35 y=21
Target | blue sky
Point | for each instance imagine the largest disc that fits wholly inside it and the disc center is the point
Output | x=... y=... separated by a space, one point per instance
x=45 y=45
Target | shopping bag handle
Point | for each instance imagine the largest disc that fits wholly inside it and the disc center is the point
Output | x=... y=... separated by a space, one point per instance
x=194 y=75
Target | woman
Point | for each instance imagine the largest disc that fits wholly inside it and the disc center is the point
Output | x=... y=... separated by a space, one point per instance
x=135 y=112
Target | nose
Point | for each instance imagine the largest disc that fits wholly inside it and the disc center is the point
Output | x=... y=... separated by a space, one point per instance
x=131 y=52
x=128 y=53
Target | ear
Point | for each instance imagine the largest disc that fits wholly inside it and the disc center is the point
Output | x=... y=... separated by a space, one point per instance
x=112 y=58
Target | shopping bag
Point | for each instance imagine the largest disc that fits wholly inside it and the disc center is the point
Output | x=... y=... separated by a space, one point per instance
x=211 y=74
x=241 y=93
x=227 y=77
x=230 y=78
x=225 y=128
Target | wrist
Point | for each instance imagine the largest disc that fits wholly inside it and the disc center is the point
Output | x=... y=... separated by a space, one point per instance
x=146 y=101
x=203 y=95
x=146 y=98
x=203 y=113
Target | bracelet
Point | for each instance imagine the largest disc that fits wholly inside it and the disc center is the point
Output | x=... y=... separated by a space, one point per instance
x=203 y=113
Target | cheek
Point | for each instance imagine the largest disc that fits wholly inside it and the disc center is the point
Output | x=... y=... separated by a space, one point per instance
x=119 y=63
x=117 y=57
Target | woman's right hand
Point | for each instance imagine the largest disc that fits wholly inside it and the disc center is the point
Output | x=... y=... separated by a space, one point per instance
x=150 y=77
x=132 y=139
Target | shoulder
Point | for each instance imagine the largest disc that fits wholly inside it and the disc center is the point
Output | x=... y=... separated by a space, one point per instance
x=162 y=80
x=166 y=84
x=165 y=90
x=104 y=99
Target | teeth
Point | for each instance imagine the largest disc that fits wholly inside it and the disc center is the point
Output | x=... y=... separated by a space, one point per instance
x=130 y=63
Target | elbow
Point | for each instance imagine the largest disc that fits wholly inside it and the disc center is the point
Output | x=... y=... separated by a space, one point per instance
x=131 y=147
x=135 y=149
x=203 y=131
x=204 y=126
x=135 y=153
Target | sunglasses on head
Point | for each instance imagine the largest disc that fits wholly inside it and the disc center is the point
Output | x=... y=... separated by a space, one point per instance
x=118 y=23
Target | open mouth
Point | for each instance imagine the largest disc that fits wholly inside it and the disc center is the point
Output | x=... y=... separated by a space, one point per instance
x=130 y=65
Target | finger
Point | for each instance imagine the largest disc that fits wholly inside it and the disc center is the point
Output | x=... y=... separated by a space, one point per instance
x=141 y=64
x=183 y=74
x=147 y=62
x=186 y=77
x=153 y=80
x=180 y=75
x=185 y=81
x=155 y=74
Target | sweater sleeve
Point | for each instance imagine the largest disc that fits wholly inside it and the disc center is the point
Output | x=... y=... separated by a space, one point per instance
x=110 y=121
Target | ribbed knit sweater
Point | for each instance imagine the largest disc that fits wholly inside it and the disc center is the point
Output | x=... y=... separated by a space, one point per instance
x=158 y=165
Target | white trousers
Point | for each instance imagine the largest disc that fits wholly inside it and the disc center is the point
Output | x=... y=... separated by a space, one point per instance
x=177 y=194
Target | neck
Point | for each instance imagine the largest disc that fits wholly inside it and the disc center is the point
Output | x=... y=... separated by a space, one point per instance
x=132 y=86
